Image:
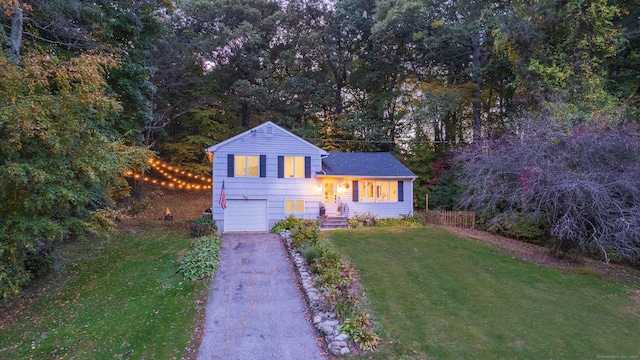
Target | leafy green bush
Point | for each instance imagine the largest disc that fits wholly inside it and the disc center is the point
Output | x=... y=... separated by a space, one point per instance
x=305 y=231
x=19 y=266
x=360 y=328
x=531 y=228
x=202 y=258
x=38 y=262
x=204 y=226
x=311 y=253
x=285 y=224
x=403 y=221
x=329 y=258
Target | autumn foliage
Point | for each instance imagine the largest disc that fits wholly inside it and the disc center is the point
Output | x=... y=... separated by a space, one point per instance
x=60 y=163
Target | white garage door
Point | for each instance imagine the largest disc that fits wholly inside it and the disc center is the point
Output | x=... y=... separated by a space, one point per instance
x=245 y=215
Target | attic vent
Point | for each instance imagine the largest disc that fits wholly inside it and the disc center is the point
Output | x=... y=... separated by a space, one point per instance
x=269 y=130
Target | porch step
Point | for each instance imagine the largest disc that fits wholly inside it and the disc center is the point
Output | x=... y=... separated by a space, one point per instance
x=334 y=222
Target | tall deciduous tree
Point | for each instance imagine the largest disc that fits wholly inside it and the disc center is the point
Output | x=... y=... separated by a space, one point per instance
x=565 y=49
x=451 y=46
x=60 y=164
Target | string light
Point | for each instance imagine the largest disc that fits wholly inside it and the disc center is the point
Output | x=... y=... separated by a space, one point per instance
x=171 y=181
x=165 y=170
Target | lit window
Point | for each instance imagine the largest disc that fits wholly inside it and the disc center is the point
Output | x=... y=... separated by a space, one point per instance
x=378 y=191
x=294 y=166
x=393 y=191
x=247 y=165
x=294 y=206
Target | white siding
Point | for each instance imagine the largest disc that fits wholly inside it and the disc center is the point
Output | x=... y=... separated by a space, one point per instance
x=275 y=190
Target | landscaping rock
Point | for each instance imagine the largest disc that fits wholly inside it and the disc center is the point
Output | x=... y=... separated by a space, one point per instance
x=324 y=321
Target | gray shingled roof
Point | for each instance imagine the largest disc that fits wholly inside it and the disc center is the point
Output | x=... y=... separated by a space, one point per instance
x=369 y=164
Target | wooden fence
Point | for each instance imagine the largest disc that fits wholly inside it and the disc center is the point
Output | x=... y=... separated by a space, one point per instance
x=461 y=219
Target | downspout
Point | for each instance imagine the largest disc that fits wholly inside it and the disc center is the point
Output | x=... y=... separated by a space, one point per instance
x=213 y=181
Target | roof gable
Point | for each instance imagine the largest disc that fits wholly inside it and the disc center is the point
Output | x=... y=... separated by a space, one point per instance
x=268 y=129
x=365 y=164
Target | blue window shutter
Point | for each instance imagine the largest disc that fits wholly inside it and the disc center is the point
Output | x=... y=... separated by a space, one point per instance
x=400 y=190
x=307 y=167
x=230 y=165
x=263 y=165
x=354 y=193
x=281 y=166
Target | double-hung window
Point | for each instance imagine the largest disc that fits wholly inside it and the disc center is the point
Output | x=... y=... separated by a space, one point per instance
x=294 y=206
x=247 y=165
x=294 y=167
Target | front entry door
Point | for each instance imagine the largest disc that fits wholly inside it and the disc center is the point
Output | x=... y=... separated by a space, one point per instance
x=330 y=197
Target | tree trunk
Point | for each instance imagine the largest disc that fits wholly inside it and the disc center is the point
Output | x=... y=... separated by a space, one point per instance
x=15 y=39
x=477 y=90
x=244 y=115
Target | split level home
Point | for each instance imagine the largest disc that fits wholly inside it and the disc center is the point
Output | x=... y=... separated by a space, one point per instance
x=267 y=173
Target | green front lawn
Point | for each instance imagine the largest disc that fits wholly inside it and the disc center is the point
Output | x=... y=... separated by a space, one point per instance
x=112 y=299
x=437 y=295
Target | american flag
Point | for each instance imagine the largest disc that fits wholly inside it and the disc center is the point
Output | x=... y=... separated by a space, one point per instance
x=223 y=198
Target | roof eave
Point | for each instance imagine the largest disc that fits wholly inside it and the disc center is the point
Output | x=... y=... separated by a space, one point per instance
x=367 y=176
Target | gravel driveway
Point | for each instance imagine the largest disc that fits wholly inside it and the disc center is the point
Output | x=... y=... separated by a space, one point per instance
x=254 y=309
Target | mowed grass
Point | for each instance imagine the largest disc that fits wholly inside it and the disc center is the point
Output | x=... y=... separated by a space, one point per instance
x=116 y=298
x=436 y=295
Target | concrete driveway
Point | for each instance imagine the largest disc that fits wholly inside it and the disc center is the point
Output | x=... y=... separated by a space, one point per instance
x=254 y=308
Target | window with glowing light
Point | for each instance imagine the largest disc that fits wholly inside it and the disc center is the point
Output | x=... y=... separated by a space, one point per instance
x=378 y=191
x=294 y=166
x=247 y=165
x=294 y=206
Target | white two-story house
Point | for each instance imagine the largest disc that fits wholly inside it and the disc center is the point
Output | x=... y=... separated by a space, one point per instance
x=268 y=173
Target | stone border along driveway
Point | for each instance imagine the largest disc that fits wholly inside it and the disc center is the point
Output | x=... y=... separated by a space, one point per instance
x=325 y=322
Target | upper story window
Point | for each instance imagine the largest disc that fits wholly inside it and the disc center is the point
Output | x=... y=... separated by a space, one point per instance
x=247 y=165
x=294 y=167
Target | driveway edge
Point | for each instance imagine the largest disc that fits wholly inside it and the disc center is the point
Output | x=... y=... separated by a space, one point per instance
x=325 y=322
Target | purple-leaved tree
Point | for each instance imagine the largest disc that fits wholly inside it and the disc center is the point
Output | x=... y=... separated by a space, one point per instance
x=582 y=183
